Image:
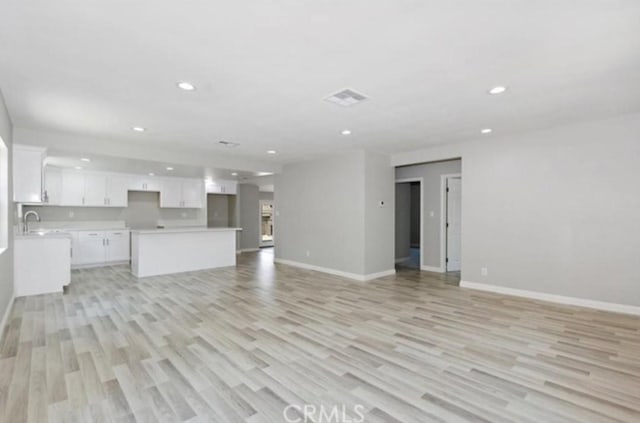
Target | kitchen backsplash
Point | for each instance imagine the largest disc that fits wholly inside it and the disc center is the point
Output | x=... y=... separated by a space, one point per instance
x=143 y=212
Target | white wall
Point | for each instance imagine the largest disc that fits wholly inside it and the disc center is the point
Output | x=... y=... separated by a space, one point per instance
x=325 y=208
x=430 y=190
x=6 y=257
x=379 y=187
x=554 y=211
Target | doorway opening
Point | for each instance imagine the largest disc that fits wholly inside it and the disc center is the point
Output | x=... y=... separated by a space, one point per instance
x=409 y=211
x=266 y=223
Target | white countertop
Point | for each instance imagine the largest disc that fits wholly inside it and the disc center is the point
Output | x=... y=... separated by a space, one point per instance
x=181 y=230
x=44 y=235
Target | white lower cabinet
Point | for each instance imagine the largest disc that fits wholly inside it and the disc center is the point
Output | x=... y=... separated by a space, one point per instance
x=95 y=248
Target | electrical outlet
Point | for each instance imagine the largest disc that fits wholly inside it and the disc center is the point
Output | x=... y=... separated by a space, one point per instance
x=71 y=215
x=432 y=213
x=484 y=271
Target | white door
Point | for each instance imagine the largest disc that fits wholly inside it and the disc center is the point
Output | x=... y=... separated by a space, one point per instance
x=118 y=246
x=454 y=227
x=171 y=193
x=192 y=194
x=117 y=193
x=72 y=193
x=95 y=189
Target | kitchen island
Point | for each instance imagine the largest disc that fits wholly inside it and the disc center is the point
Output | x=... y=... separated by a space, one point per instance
x=175 y=250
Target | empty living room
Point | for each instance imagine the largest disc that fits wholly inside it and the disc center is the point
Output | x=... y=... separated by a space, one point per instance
x=320 y=211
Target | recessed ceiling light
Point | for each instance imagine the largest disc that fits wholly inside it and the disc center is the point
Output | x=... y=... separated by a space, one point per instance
x=271 y=151
x=187 y=86
x=169 y=168
x=84 y=159
x=497 y=90
x=346 y=132
x=78 y=167
x=152 y=174
x=138 y=129
x=234 y=173
x=486 y=131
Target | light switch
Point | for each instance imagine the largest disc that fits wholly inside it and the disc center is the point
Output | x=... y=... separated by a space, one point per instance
x=432 y=213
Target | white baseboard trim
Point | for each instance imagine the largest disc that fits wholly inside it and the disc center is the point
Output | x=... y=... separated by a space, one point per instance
x=400 y=260
x=335 y=272
x=249 y=250
x=553 y=298
x=432 y=269
x=7 y=313
x=377 y=275
x=95 y=265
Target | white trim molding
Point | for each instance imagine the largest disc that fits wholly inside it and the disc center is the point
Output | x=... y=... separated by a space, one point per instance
x=335 y=272
x=432 y=269
x=249 y=250
x=553 y=298
x=7 y=313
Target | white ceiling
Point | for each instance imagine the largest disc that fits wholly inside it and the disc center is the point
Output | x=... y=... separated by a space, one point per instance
x=97 y=68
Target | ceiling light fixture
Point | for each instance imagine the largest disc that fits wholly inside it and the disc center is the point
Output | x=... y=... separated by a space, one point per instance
x=497 y=90
x=78 y=167
x=84 y=159
x=186 y=86
x=271 y=151
x=152 y=174
x=169 y=168
x=346 y=132
x=138 y=129
x=486 y=131
x=234 y=173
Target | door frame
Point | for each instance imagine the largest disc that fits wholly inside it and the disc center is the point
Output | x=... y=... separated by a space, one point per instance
x=443 y=219
x=262 y=243
x=421 y=181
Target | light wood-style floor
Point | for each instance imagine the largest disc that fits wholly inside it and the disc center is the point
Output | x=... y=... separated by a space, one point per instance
x=240 y=344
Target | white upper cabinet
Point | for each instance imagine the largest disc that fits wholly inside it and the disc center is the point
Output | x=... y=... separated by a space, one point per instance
x=91 y=189
x=222 y=187
x=192 y=193
x=52 y=186
x=95 y=189
x=171 y=193
x=72 y=193
x=27 y=173
x=117 y=192
x=144 y=183
x=181 y=193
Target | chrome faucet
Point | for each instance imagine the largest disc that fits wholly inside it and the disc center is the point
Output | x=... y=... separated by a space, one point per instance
x=25 y=222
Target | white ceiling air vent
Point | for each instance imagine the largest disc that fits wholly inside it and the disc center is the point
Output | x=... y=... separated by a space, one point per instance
x=346 y=98
x=228 y=144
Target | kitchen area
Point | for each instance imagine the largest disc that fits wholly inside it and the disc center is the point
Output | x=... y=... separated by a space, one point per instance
x=79 y=212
